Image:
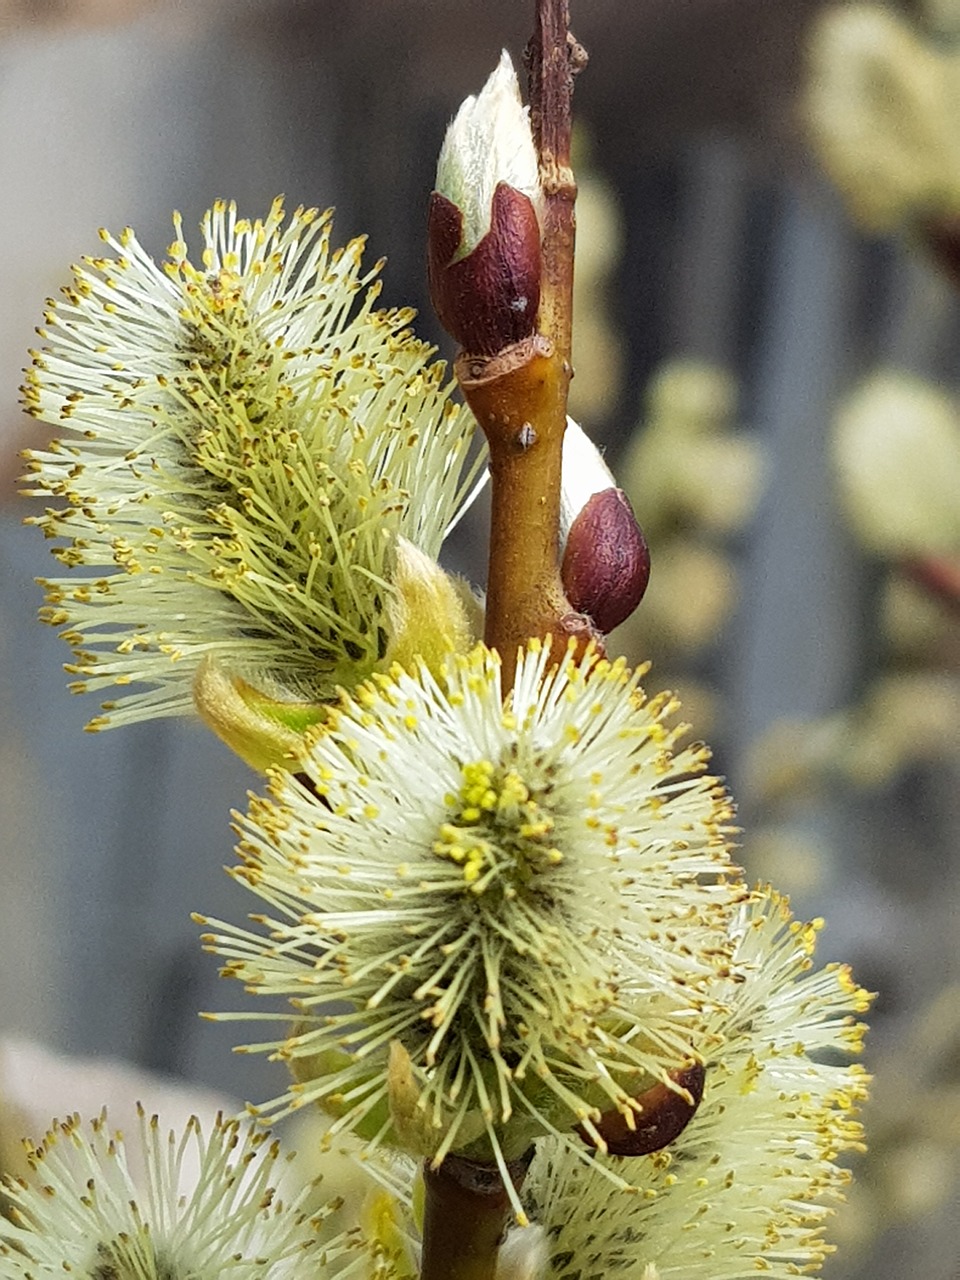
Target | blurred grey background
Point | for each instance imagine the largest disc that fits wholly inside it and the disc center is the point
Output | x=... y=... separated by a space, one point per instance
x=728 y=246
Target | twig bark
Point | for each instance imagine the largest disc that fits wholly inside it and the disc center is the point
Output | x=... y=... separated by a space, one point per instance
x=520 y=398
x=554 y=57
x=465 y=1210
x=520 y=395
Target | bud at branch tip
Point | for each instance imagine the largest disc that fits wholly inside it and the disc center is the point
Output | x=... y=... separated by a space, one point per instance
x=484 y=229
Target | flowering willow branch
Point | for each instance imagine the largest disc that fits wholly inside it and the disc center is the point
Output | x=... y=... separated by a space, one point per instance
x=495 y=881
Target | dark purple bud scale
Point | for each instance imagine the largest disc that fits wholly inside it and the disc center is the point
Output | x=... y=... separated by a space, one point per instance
x=606 y=563
x=490 y=298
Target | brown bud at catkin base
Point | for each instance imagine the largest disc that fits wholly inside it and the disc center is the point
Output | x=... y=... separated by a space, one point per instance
x=663 y=1117
x=489 y=298
x=606 y=562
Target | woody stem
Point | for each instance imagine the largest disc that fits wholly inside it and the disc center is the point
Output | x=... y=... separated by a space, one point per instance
x=523 y=407
x=465 y=1211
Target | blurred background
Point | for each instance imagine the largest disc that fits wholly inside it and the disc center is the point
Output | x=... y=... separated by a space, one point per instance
x=732 y=326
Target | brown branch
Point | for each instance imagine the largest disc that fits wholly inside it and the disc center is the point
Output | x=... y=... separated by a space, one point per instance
x=515 y=397
x=465 y=1213
x=554 y=57
x=519 y=396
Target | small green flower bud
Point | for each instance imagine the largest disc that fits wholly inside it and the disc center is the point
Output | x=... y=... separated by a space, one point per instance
x=431 y=614
x=262 y=730
x=411 y=1124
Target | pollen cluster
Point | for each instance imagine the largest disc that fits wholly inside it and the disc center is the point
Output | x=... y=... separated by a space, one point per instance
x=498 y=831
x=253 y=438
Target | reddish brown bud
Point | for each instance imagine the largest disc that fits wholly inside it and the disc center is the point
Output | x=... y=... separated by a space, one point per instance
x=663 y=1116
x=489 y=298
x=606 y=562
